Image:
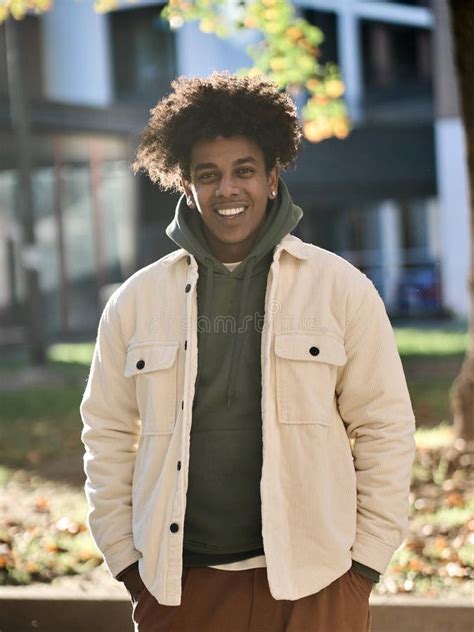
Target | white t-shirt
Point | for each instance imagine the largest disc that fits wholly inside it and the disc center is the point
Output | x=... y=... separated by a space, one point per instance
x=232 y=266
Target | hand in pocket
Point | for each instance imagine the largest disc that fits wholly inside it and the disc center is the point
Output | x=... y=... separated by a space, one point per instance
x=134 y=583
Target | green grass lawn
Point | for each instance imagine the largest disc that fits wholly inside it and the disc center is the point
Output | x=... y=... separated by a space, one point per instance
x=431 y=357
x=72 y=353
x=450 y=340
x=38 y=425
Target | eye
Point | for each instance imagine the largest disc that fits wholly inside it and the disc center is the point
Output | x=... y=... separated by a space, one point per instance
x=206 y=176
x=246 y=170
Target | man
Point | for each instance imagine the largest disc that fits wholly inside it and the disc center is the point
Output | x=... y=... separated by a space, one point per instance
x=228 y=381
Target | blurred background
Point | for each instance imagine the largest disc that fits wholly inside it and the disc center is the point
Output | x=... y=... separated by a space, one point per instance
x=392 y=198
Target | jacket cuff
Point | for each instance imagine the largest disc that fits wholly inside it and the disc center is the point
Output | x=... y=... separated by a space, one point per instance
x=121 y=555
x=371 y=552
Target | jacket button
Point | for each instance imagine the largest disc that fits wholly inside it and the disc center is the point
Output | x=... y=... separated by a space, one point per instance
x=179 y=465
x=185 y=345
x=182 y=404
x=314 y=351
x=174 y=527
x=188 y=260
x=187 y=288
x=140 y=364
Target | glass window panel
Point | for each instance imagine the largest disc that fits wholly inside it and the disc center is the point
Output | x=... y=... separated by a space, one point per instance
x=45 y=227
x=10 y=236
x=118 y=228
x=395 y=55
x=143 y=53
x=77 y=213
x=325 y=21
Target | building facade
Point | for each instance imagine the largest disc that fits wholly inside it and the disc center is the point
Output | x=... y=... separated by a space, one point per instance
x=391 y=198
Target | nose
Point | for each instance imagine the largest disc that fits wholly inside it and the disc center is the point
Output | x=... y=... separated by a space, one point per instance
x=227 y=186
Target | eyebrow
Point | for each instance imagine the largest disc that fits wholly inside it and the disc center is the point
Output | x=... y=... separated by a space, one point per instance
x=210 y=165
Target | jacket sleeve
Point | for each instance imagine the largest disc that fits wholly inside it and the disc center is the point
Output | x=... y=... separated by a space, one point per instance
x=111 y=427
x=375 y=406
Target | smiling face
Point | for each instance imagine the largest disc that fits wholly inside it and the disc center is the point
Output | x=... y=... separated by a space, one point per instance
x=230 y=188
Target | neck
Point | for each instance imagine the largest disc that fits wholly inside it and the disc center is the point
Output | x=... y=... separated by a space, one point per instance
x=229 y=253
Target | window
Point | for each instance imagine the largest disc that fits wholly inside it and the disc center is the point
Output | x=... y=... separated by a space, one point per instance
x=397 y=58
x=392 y=242
x=327 y=23
x=143 y=47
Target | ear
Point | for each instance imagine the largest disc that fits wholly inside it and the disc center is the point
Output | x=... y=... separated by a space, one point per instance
x=273 y=177
x=188 y=192
x=186 y=186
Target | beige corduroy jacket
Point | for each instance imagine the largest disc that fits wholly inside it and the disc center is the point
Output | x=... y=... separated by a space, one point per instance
x=337 y=423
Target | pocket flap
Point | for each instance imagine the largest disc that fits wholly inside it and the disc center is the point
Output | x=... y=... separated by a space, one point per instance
x=144 y=357
x=313 y=347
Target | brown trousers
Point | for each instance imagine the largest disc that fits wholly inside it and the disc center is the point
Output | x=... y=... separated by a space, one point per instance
x=215 y=600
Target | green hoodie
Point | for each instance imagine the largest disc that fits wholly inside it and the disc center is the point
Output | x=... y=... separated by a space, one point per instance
x=223 y=507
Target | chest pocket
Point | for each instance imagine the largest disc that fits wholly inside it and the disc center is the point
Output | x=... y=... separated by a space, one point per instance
x=153 y=366
x=306 y=373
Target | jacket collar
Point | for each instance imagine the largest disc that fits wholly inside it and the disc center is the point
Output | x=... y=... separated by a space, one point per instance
x=292 y=244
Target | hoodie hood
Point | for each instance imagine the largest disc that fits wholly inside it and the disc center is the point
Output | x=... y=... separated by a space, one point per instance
x=187 y=232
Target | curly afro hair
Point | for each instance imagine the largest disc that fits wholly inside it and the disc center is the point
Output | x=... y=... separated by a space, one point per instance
x=222 y=104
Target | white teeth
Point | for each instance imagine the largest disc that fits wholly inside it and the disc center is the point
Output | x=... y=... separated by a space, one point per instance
x=231 y=211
